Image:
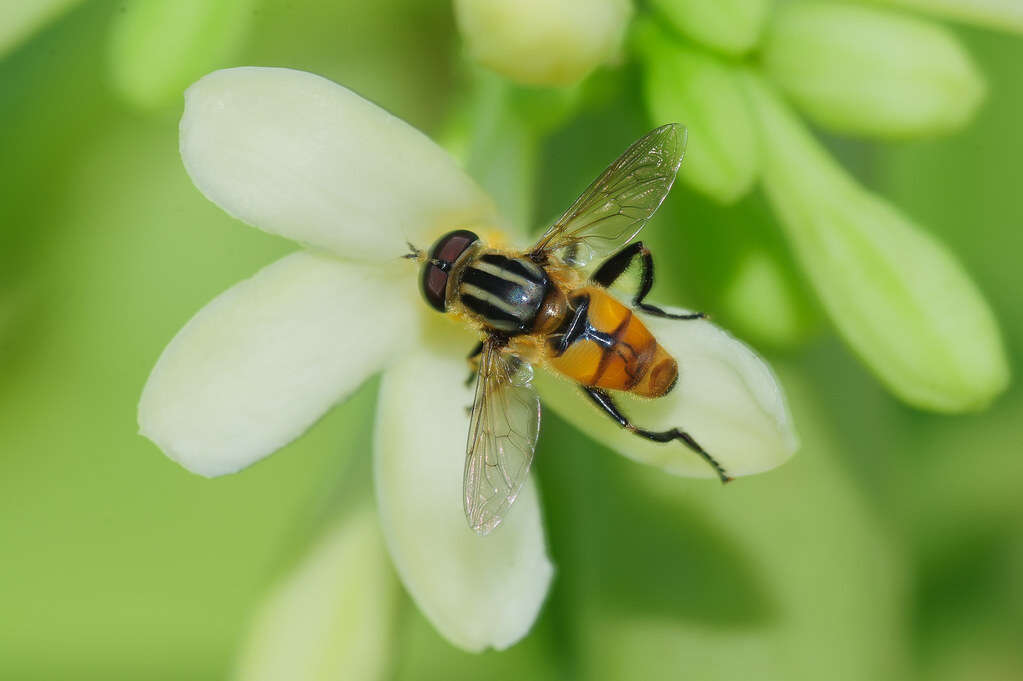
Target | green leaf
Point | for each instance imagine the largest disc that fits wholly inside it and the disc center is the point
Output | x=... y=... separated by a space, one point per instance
x=871 y=72
x=159 y=47
x=896 y=295
x=731 y=26
x=1002 y=14
x=692 y=87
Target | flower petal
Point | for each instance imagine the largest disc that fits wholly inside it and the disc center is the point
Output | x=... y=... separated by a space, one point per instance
x=727 y=398
x=269 y=356
x=477 y=591
x=297 y=155
x=333 y=617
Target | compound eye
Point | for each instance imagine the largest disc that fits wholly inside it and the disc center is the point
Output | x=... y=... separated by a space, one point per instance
x=435 y=285
x=448 y=249
x=451 y=246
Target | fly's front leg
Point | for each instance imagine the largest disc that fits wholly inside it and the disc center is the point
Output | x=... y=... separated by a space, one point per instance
x=473 y=359
x=606 y=403
x=612 y=268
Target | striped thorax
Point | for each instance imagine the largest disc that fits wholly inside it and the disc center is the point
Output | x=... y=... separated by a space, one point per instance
x=504 y=292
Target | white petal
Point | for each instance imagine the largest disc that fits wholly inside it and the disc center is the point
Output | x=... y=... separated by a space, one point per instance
x=265 y=359
x=727 y=398
x=297 y=155
x=333 y=617
x=477 y=591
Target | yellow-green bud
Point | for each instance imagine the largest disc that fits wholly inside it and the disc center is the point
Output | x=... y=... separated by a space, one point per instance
x=731 y=26
x=762 y=305
x=867 y=71
x=159 y=47
x=687 y=85
x=1003 y=14
x=20 y=19
x=543 y=42
x=896 y=295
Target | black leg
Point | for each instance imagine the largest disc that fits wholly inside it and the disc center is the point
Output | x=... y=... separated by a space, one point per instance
x=473 y=359
x=604 y=401
x=615 y=266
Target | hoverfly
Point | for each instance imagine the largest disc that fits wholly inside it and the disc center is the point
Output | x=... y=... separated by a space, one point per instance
x=539 y=307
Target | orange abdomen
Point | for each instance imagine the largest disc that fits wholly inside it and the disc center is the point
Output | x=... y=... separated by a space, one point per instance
x=604 y=345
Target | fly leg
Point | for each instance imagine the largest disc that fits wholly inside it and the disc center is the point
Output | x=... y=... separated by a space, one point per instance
x=473 y=359
x=606 y=403
x=615 y=266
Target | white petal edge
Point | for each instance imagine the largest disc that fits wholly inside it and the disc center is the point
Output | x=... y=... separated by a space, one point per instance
x=295 y=154
x=333 y=617
x=727 y=398
x=478 y=592
x=268 y=357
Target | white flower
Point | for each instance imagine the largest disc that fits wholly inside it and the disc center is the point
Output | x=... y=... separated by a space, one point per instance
x=303 y=157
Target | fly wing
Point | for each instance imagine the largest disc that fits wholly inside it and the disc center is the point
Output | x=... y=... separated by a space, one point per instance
x=615 y=207
x=503 y=429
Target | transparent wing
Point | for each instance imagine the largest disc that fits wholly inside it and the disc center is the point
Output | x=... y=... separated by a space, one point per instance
x=615 y=207
x=503 y=430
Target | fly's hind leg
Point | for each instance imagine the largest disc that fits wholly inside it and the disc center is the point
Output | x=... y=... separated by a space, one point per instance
x=606 y=403
x=615 y=266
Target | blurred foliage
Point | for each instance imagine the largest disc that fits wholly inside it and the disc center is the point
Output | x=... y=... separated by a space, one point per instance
x=891 y=547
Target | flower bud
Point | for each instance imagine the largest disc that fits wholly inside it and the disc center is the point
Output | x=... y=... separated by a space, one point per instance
x=1002 y=14
x=762 y=304
x=19 y=20
x=865 y=71
x=542 y=42
x=897 y=296
x=333 y=617
x=692 y=87
x=159 y=47
x=731 y=26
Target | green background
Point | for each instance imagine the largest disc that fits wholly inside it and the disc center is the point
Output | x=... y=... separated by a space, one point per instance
x=891 y=547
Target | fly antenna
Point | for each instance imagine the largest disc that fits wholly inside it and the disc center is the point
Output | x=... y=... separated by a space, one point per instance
x=414 y=253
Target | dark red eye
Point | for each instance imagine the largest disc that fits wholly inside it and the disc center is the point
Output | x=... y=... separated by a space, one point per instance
x=443 y=255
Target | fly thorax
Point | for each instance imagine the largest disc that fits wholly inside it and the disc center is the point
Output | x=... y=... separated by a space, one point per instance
x=506 y=293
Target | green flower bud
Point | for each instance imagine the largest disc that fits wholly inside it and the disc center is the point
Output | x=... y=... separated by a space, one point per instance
x=19 y=20
x=542 y=42
x=690 y=86
x=896 y=295
x=496 y=146
x=333 y=617
x=871 y=72
x=1004 y=14
x=731 y=26
x=159 y=47
x=762 y=304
